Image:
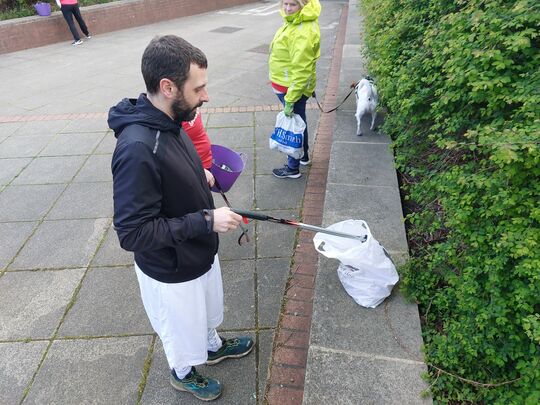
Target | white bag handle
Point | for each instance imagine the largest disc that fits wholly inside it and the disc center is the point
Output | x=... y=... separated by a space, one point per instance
x=333 y=246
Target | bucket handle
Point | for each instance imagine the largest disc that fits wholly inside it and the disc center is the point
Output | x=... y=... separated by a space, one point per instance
x=243 y=156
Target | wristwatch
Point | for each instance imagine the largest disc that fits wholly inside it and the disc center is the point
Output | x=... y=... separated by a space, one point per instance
x=209 y=217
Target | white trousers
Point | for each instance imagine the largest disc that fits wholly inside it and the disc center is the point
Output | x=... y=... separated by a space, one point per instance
x=185 y=316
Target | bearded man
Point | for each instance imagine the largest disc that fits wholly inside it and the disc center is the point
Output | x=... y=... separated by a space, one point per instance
x=165 y=214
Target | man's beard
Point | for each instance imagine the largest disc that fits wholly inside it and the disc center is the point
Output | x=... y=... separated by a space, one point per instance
x=182 y=111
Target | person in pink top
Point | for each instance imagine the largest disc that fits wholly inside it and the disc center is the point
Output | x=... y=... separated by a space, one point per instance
x=199 y=137
x=70 y=9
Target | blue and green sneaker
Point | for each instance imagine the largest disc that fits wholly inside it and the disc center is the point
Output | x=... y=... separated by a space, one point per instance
x=203 y=388
x=231 y=349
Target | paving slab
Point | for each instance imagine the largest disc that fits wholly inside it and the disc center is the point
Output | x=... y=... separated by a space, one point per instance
x=10 y=168
x=255 y=95
x=107 y=145
x=233 y=138
x=272 y=275
x=8 y=108
x=239 y=294
x=63 y=105
x=345 y=129
x=28 y=202
x=354 y=49
x=289 y=196
x=100 y=311
x=222 y=99
x=367 y=164
x=73 y=144
x=219 y=120
x=263 y=133
x=95 y=168
x=47 y=170
x=23 y=146
x=266 y=118
x=84 y=200
x=12 y=237
x=73 y=371
x=37 y=128
x=19 y=362
x=110 y=253
x=88 y=125
x=61 y=244
x=268 y=159
x=348 y=378
x=276 y=240
x=29 y=310
x=8 y=128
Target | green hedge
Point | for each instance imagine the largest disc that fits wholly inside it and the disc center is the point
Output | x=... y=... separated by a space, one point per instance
x=461 y=82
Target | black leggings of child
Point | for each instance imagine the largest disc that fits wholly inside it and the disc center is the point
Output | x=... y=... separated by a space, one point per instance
x=72 y=10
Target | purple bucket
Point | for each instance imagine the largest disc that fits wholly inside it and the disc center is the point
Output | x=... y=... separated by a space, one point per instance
x=43 y=9
x=226 y=166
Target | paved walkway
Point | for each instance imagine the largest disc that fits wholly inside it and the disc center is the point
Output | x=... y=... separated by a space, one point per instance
x=72 y=327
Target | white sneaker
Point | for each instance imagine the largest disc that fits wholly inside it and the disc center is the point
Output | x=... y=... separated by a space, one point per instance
x=78 y=42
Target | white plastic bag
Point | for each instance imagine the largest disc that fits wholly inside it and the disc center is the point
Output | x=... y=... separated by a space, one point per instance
x=288 y=135
x=366 y=270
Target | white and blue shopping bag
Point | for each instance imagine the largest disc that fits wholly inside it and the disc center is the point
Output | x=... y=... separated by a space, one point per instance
x=288 y=135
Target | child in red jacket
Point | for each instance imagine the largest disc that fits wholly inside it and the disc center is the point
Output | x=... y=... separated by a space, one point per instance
x=199 y=137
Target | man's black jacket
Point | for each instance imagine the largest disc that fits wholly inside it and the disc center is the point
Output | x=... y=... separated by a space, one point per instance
x=160 y=192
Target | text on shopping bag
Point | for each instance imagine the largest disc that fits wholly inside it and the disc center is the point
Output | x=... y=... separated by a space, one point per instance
x=288 y=135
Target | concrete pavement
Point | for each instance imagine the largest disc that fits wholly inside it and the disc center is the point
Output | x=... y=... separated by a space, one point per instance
x=371 y=356
x=72 y=327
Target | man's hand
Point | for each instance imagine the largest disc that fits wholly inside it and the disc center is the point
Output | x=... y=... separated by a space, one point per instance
x=209 y=178
x=288 y=109
x=225 y=220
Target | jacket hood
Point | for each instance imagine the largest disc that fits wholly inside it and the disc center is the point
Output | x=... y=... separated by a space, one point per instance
x=140 y=111
x=309 y=12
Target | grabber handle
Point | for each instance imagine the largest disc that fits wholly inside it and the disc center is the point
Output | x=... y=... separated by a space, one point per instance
x=251 y=214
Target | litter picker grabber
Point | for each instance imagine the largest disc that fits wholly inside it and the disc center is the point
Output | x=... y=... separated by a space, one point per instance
x=244 y=237
x=263 y=217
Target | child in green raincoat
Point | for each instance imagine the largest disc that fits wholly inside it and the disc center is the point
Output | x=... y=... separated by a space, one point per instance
x=293 y=56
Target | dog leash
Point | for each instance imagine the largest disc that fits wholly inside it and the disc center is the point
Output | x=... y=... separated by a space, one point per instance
x=339 y=105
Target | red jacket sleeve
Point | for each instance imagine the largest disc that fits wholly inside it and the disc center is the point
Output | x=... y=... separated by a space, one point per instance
x=199 y=137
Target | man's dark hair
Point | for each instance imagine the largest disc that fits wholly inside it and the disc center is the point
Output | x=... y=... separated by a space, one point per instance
x=169 y=57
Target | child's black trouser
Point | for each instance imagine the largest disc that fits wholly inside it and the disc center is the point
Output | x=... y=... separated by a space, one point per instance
x=72 y=10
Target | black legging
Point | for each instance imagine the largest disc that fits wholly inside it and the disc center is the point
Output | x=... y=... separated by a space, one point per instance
x=69 y=11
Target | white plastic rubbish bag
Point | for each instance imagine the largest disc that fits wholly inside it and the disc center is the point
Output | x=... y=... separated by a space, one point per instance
x=288 y=135
x=366 y=270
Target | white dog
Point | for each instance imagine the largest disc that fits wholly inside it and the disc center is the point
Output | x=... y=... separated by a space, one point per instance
x=366 y=101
